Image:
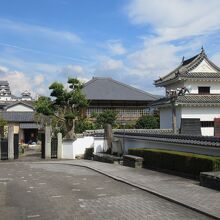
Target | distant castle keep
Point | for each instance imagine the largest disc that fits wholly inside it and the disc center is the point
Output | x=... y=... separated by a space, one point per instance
x=5 y=93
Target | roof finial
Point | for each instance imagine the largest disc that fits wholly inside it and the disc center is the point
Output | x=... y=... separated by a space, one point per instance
x=202 y=49
x=183 y=59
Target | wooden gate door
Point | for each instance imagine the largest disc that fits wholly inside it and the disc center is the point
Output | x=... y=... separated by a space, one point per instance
x=54 y=147
x=43 y=145
x=217 y=127
x=4 y=149
x=16 y=146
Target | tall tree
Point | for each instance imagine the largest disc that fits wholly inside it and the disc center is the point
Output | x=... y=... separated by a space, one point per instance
x=67 y=105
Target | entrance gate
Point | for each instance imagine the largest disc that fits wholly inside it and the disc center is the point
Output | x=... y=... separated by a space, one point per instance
x=16 y=146
x=54 y=144
x=43 y=145
x=4 y=148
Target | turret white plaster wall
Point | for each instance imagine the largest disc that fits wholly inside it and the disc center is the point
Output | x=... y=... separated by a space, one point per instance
x=166 y=118
x=204 y=114
x=193 y=86
x=204 y=67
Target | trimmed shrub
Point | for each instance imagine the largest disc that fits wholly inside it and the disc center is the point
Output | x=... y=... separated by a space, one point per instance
x=148 y=122
x=182 y=162
x=89 y=153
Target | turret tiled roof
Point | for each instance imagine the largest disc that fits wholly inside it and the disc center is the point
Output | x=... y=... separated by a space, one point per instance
x=194 y=99
x=185 y=68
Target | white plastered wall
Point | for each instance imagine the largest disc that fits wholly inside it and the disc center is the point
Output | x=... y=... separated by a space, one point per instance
x=204 y=114
x=193 y=85
x=166 y=117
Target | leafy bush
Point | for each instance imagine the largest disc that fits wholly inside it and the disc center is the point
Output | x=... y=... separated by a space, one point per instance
x=148 y=122
x=83 y=125
x=128 y=125
x=106 y=117
x=183 y=162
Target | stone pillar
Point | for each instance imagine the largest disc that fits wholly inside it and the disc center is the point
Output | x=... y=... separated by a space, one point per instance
x=21 y=135
x=47 y=142
x=10 y=141
x=108 y=137
x=59 y=146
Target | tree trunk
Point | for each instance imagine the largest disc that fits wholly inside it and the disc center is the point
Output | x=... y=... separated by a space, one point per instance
x=70 y=126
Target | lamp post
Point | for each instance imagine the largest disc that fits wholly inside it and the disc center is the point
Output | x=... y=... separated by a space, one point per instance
x=173 y=95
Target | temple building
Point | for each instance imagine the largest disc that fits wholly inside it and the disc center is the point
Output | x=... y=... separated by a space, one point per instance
x=18 y=111
x=106 y=93
x=198 y=111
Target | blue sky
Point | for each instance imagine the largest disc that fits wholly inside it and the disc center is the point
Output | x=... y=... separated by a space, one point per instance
x=133 y=41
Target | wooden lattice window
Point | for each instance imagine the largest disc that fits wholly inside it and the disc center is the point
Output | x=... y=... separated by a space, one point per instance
x=203 y=90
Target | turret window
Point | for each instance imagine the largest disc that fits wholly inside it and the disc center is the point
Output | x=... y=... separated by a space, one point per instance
x=204 y=90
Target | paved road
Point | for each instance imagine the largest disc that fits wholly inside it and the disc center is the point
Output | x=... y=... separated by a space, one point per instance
x=53 y=191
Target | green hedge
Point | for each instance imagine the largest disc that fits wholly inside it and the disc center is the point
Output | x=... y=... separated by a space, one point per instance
x=183 y=162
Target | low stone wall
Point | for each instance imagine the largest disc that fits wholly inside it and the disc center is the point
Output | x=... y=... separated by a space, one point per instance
x=106 y=158
x=210 y=180
x=132 y=161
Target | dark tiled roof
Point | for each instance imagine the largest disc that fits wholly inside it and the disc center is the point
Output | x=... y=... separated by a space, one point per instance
x=191 y=99
x=201 y=75
x=102 y=88
x=199 y=99
x=18 y=116
x=183 y=70
x=4 y=83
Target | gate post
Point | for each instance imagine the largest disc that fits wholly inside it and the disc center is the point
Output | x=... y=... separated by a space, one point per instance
x=48 y=142
x=59 y=146
x=10 y=142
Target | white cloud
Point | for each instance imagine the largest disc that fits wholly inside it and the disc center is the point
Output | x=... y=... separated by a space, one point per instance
x=73 y=69
x=116 y=47
x=175 y=19
x=39 y=31
x=18 y=81
x=108 y=63
x=3 y=69
x=154 y=60
x=189 y=22
x=38 y=79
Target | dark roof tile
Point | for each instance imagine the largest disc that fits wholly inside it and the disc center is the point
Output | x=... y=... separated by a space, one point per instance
x=18 y=116
x=103 y=88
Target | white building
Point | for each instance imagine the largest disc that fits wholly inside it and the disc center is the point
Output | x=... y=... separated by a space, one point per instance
x=202 y=78
x=18 y=111
x=6 y=95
